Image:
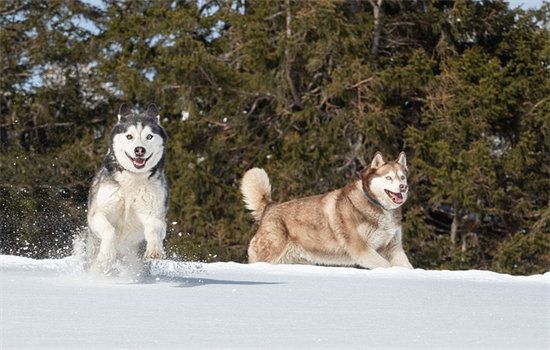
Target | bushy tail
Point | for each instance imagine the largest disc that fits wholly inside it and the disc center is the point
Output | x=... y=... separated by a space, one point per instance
x=256 y=191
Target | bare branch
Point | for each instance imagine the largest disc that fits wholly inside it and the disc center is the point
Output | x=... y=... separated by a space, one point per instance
x=275 y=15
x=362 y=82
x=14 y=10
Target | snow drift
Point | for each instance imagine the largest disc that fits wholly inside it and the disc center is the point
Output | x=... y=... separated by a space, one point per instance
x=54 y=303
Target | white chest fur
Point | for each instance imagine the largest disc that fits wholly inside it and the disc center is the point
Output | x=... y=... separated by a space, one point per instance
x=141 y=193
x=131 y=196
x=378 y=236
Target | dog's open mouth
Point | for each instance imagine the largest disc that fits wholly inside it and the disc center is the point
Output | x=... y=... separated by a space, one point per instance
x=139 y=162
x=397 y=198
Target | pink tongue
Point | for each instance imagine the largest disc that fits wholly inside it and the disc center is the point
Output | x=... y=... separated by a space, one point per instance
x=139 y=161
x=397 y=197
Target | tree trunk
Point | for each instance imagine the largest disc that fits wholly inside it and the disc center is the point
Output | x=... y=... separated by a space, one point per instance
x=288 y=58
x=454 y=227
x=377 y=13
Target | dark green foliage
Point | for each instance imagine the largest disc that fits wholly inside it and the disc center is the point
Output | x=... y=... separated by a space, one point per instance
x=309 y=90
x=39 y=221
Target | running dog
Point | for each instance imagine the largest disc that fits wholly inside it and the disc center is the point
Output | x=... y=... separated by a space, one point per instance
x=357 y=225
x=127 y=202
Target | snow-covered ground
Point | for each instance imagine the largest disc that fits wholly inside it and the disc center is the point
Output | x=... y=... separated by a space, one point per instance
x=53 y=303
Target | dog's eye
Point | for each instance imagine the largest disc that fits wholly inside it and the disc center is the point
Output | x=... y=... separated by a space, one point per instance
x=388 y=178
x=402 y=177
x=149 y=137
x=129 y=137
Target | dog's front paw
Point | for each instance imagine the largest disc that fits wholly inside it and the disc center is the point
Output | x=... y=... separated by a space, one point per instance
x=153 y=251
x=403 y=265
x=401 y=261
x=104 y=262
x=106 y=256
x=383 y=264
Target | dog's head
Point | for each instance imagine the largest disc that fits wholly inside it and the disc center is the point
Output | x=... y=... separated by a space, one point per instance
x=385 y=183
x=137 y=140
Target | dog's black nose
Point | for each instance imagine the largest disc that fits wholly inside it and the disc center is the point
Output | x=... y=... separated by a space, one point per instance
x=139 y=151
x=403 y=188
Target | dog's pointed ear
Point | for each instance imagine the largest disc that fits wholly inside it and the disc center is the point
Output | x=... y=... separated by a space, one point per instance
x=153 y=112
x=402 y=160
x=124 y=111
x=377 y=161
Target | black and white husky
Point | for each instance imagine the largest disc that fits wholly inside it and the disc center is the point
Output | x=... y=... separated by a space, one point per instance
x=127 y=202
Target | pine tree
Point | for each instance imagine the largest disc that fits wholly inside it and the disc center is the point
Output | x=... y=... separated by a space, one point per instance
x=308 y=90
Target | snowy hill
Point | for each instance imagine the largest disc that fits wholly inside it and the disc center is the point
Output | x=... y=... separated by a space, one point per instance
x=53 y=303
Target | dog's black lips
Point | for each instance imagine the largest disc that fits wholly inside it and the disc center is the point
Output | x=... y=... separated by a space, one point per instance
x=138 y=165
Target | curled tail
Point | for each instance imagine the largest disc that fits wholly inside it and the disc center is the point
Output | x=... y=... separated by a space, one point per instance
x=256 y=191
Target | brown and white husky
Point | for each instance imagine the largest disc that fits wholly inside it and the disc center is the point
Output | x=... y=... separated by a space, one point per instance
x=359 y=224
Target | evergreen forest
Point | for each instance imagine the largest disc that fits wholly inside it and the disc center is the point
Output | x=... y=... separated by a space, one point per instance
x=308 y=90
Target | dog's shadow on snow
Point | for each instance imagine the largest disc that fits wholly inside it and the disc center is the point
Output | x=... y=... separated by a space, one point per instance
x=189 y=282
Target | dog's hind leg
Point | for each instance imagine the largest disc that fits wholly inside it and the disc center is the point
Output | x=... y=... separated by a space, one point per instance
x=267 y=247
x=102 y=228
